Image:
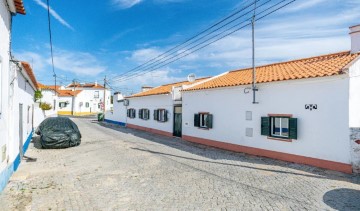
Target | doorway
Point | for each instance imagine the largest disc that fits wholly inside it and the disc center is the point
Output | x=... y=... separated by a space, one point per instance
x=177 y=121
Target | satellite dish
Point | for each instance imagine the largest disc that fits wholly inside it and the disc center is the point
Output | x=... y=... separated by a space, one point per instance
x=191 y=77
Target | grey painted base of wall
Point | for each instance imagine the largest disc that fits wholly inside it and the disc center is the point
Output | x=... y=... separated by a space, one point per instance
x=355 y=149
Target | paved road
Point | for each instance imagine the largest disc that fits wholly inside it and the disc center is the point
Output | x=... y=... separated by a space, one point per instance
x=123 y=169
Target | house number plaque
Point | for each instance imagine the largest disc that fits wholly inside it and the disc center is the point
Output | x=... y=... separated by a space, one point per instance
x=311 y=107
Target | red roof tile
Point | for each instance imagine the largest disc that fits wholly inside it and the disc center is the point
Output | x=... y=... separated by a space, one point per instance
x=319 y=66
x=30 y=73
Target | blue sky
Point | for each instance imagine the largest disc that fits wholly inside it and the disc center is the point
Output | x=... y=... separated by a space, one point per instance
x=109 y=37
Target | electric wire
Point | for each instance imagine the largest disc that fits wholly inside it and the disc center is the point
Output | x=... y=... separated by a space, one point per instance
x=51 y=44
x=184 y=54
x=151 y=61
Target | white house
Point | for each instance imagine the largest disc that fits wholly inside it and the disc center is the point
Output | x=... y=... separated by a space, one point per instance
x=308 y=110
x=25 y=114
x=49 y=96
x=157 y=110
x=118 y=114
x=83 y=99
x=8 y=8
x=77 y=99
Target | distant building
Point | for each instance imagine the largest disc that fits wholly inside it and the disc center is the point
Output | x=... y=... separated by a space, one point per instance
x=78 y=99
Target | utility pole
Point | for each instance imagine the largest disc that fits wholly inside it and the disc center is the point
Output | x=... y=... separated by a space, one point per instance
x=73 y=99
x=254 y=88
x=104 y=95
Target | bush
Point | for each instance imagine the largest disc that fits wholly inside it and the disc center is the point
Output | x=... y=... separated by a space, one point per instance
x=38 y=95
x=45 y=106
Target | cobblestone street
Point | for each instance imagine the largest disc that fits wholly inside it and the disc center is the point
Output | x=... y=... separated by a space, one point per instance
x=117 y=168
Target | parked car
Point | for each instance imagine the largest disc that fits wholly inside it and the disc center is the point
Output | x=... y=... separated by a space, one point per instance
x=58 y=132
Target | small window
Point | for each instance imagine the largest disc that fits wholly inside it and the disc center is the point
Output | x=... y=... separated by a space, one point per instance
x=87 y=105
x=283 y=127
x=144 y=114
x=62 y=104
x=131 y=113
x=203 y=120
x=161 y=115
x=96 y=94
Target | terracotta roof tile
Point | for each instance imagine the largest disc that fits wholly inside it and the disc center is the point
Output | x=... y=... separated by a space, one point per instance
x=19 y=5
x=68 y=93
x=88 y=85
x=164 y=89
x=30 y=73
x=320 y=66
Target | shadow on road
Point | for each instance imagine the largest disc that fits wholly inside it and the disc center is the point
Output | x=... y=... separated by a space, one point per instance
x=343 y=199
x=206 y=152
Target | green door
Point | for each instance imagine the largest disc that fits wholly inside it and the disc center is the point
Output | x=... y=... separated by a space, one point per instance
x=177 y=121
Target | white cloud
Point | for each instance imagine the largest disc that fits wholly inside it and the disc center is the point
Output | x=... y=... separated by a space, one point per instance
x=124 y=4
x=54 y=14
x=144 y=55
x=78 y=63
x=304 y=5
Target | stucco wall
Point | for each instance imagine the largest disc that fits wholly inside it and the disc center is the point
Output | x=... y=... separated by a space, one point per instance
x=152 y=103
x=4 y=80
x=354 y=115
x=322 y=133
x=48 y=96
x=118 y=114
x=23 y=94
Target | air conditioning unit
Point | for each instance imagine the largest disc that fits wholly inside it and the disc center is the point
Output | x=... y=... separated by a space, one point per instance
x=126 y=102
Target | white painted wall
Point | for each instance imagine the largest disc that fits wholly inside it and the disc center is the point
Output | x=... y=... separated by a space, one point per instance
x=152 y=102
x=4 y=81
x=354 y=113
x=322 y=133
x=48 y=96
x=23 y=93
x=68 y=106
x=118 y=113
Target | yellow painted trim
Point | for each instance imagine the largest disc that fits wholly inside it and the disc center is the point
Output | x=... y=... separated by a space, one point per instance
x=64 y=112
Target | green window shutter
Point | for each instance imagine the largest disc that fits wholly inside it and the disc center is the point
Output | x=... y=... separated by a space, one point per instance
x=196 y=120
x=134 y=113
x=265 y=126
x=147 y=114
x=292 y=128
x=156 y=115
x=140 y=113
x=165 y=116
x=209 y=121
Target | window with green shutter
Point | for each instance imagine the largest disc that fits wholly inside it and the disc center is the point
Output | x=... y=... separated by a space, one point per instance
x=265 y=126
x=203 y=120
x=281 y=126
x=156 y=115
x=196 y=120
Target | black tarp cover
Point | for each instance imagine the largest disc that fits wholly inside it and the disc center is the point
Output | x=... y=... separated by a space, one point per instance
x=58 y=132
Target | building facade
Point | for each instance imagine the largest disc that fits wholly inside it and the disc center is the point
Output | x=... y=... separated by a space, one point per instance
x=8 y=9
x=305 y=111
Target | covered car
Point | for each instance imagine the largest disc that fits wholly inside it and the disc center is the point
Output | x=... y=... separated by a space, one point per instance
x=58 y=132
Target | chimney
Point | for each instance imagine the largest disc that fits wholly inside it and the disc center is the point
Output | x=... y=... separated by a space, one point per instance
x=355 y=38
x=146 y=88
x=96 y=83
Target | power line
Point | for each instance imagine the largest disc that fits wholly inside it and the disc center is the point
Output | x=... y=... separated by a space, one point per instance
x=51 y=45
x=173 y=59
x=155 y=59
